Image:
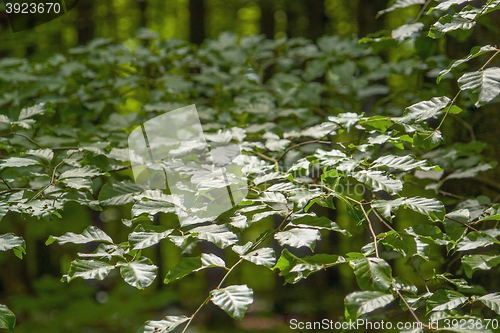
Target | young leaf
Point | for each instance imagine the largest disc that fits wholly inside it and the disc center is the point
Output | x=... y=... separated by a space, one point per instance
x=190 y=265
x=32 y=111
x=17 y=162
x=10 y=241
x=7 y=318
x=492 y=301
x=407 y=31
x=372 y=273
x=401 y=4
x=233 y=299
x=475 y=52
x=217 y=234
x=91 y=234
x=425 y=110
x=142 y=239
x=483 y=86
x=449 y=23
x=378 y=181
x=262 y=257
x=404 y=163
x=294 y=269
x=359 y=303
x=298 y=237
x=444 y=299
x=88 y=269
x=167 y=324
x=119 y=193
x=139 y=274
x=429 y=207
x=85 y=172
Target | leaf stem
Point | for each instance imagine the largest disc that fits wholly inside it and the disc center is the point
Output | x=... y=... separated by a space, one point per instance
x=396 y=289
x=27 y=138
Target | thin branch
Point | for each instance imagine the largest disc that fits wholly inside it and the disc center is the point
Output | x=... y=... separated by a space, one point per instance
x=424 y=7
x=371 y=230
x=302 y=144
x=420 y=274
x=396 y=289
x=17 y=189
x=383 y=220
x=462 y=223
x=27 y=138
x=5 y=182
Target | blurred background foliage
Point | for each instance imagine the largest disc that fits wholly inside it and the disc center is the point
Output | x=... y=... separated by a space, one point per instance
x=31 y=286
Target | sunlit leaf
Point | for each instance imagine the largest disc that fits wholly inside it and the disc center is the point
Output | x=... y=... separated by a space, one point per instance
x=139 y=274
x=233 y=299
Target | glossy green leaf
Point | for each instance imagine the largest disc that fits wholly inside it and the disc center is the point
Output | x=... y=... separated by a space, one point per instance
x=139 y=273
x=144 y=237
x=372 y=273
x=34 y=110
x=217 y=234
x=91 y=234
x=476 y=262
x=483 y=86
x=118 y=193
x=443 y=299
x=189 y=265
x=475 y=52
x=10 y=241
x=378 y=181
x=233 y=299
x=359 y=303
x=7 y=318
x=88 y=269
x=294 y=269
x=261 y=257
x=492 y=301
x=298 y=237
x=167 y=324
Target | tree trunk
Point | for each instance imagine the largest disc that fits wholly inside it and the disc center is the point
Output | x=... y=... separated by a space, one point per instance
x=85 y=22
x=367 y=13
x=196 y=21
x=267 y=19
x=143 y=5
x=317 y=19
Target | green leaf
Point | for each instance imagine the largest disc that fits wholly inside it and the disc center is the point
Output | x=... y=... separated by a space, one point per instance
x=91 y=234
x=407 y=31
x=404 y=163
x=483 y=86
x=85 y=172
x=427 y=140
x=233 y=299
x=119 y=193
x=139 y=274
x=217 y=234
x=88 y=269
x=424 y=110
x=449 y=23
x=105 y=251
x=272 y=197
x=10 y=241
x=4 y=209
x=445 y=5
x=475 y=52
x=316 y=222
x=432 y=208
x=298 y=237
x=142 y=238
x=379 y=181
x=262 y=257
x=444 y=299
x=294 y=269
x=17 y=162
x=32 y=111
x=372 y=273
x=492 y=301
x=359 y=303
x=401 y=4
x=190 y=265
x=475 y=240
x=46 y=154
x=7 y=318
x=167 y=324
